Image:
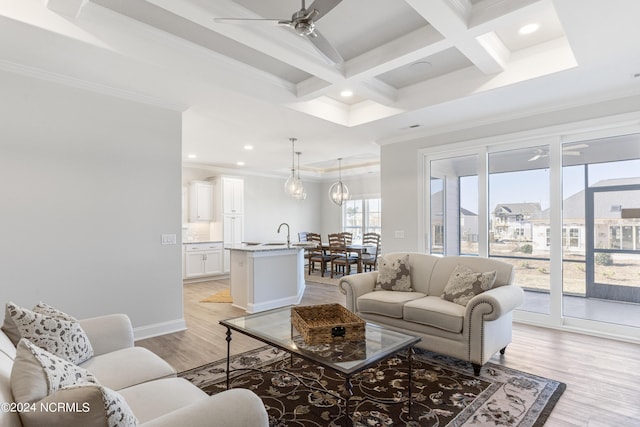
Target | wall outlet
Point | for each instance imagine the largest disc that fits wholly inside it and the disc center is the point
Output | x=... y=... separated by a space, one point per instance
x=168 y=239
x=399 y=234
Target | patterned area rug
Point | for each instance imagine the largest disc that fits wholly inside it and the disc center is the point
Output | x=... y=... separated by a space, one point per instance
x=445 y=392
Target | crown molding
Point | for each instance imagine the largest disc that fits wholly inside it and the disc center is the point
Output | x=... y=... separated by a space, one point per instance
x=40 y=74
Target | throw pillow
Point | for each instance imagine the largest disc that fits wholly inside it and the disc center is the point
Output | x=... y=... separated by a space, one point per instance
x=61 y=337
x=86 y=405
x=11 y=330
x=37 y=373
x=394 y=274
x=464 y=284
x=43 y=308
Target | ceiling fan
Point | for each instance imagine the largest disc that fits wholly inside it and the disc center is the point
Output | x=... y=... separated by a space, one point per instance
x=302 y=22
x=567 y=151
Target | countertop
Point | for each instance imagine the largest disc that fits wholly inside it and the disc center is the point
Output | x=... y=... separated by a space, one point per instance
x=260 y=247
x=194 y=242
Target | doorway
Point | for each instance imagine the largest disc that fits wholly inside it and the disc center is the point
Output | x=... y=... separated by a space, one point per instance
x=612 y=243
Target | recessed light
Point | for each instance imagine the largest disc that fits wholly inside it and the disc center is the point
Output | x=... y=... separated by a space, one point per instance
x=191 y=156
x=529 y=28
x=240 y=163
x=248 y=147
x=346 y=93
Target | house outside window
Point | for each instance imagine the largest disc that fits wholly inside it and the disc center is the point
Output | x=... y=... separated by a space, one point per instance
x=362 y=216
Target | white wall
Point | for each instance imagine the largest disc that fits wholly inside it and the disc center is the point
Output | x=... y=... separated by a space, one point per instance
x=401 y=162
x=88 y=183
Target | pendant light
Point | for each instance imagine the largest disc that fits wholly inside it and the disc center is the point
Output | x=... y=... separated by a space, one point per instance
x=302 y=194
x=293 y=185
x=339 y=192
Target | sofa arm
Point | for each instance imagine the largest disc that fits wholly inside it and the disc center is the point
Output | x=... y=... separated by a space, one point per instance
x=356 y=285
x=495 y=302
x=108 y=333
x=231 y=408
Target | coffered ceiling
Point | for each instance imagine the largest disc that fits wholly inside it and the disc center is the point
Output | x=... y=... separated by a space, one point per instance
x=415 y=67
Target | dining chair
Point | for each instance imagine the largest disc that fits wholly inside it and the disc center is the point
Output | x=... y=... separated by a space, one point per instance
x=302 y=236
x=370 y=259
x=317 y=254
x=340 y=258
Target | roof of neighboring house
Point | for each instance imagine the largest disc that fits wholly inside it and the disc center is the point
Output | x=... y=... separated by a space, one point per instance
x=574 y=205
x=529 y=209
x=467 y=212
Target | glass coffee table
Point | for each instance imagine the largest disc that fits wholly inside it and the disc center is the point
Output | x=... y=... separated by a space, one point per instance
x=274 y=327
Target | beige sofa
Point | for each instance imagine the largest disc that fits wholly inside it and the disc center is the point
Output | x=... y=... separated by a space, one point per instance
x=148 y=384
x=473 y=333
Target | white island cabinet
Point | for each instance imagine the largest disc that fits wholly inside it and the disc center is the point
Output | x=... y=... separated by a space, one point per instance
x=266 y=276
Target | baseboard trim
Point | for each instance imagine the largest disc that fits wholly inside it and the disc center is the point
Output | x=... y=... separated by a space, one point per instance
x=157 y=329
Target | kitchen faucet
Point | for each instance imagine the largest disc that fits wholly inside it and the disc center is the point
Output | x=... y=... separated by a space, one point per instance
x=288 y=233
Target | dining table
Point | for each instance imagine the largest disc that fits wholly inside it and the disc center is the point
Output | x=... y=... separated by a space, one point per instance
x=355 y=248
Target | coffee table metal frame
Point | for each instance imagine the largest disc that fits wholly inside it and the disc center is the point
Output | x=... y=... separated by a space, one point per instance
x=274 y=327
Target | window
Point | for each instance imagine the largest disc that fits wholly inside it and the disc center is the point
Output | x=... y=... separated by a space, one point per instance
x=362 y=216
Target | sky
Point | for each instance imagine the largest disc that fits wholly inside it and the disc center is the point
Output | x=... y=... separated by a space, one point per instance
x=533 y=185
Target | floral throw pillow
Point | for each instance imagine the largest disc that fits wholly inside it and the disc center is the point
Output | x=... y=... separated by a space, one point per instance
x=394 y=275
x=464 y=284
x=11 y=330
x=64 y=338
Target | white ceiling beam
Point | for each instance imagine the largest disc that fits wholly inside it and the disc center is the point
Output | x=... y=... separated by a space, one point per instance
x=376 y=90
x=404 y=50
x=70 y=8
x=450 y=19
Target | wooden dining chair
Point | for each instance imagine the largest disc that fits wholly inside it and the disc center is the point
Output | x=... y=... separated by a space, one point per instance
x=370 y=259
x=317 y=254
x=339 y=255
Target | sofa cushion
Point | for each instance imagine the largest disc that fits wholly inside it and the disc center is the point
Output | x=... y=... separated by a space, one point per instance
x=127 y=367
x=436 y=312
x=386 y=303
x=154 y=399
x=464 y=284
x=394 y=274
x=64 y=338
x=86 y=405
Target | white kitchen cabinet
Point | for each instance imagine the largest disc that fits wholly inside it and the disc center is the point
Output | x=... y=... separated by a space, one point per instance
x=233 y=231
x=201 y=201
x=203 y=259
x=232 y=195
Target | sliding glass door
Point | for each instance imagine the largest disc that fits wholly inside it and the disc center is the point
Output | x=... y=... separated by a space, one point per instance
x=566 y=215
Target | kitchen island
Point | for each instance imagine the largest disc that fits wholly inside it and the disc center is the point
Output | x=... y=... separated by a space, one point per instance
x=266 y=275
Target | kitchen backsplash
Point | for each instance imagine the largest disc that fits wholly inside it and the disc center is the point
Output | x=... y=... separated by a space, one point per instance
x=196 y=232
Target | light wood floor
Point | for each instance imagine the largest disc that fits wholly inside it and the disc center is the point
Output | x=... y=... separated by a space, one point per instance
x=602 y=376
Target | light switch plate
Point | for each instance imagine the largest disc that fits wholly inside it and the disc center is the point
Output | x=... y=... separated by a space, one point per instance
x=168 y=239
x=399 y=234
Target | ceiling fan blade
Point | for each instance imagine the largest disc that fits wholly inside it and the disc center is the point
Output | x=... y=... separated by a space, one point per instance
x=324 y=47
x=571 y=153
x=323 y=7
x=575 y=147
x=536 y=157
x=252 y=21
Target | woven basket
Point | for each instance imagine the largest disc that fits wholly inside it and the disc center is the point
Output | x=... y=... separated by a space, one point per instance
x=327 y=324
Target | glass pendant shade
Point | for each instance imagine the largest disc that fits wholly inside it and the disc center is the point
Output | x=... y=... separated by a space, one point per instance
x=339 y=192
x=293 y=185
